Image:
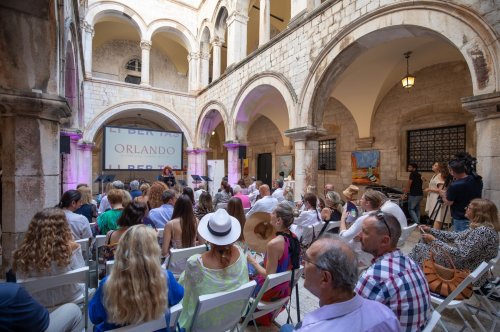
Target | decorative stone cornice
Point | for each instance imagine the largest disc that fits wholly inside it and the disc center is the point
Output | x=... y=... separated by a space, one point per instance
x=305 y=133
x=145 y=45
x=33 y=104
x=483 y=107
x=235 y=16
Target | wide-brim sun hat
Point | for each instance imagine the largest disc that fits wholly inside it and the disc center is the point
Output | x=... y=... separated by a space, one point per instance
x=219 y=228
x=258 y=231
x=351 y=191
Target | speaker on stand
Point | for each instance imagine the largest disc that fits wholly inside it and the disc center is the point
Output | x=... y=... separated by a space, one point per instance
x=242 y=154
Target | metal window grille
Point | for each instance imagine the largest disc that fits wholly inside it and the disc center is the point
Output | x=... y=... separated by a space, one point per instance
x=426 y=146
x=134 y=65
x=327 y=154
x=133 y=79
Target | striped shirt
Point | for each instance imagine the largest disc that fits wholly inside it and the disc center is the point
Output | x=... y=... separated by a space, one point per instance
x=398 y=282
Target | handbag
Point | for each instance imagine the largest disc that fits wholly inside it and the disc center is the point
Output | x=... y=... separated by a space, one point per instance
x=443 y=280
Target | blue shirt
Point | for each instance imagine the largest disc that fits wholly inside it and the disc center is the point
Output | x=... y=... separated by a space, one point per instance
x=161 y=215
x=19 y=311
x=99 y=316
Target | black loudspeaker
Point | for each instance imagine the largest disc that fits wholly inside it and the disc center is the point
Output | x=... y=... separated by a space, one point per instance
x=242 y=152
x=64 y=145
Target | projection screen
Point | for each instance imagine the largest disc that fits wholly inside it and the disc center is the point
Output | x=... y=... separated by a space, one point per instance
x=141 y=149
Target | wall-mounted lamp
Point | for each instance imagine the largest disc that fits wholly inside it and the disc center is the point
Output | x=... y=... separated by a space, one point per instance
x=409 y=80
x=213 y=132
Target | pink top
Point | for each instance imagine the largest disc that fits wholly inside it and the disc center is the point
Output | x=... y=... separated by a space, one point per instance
x=244 y=200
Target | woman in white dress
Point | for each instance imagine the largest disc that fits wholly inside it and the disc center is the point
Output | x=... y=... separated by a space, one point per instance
x=435 y=185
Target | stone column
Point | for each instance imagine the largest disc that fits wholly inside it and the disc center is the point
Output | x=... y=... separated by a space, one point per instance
x=146 y=50
x=30 y=160
x=233 y=163
x=306 y=156
x=486 y=109
x=191 y=167
x=237 y=38
x=201 y=162
x=204 y=67
x=70 y=161
x=193 y=59
x=88 y=35
x=264 y=22
x=216 y=60
x=298 y=8
x=85 y=162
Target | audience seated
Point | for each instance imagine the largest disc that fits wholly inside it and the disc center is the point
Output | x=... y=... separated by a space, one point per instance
x=134 y=189
x=308 y=217
x=223 y=268
x=138 y=289
x=224 y=194
x=282 y=254
x=254 y=195
x=161 y=215
x=390 y=207
x=105 y=205
x=245 y=201
x=350 y=208
x=331 y=273
x=204 y=205
x=155 y=194
x=289 y=198
x=143 y=198
x=107 y=220
x=190 y=193
x=180 y=232
x=87 y=209
x=467 y=249
x=333 y=207
x=278 y=192
x=48 y=249
x=71 y=201
x=393 y=279
x=133 y=214
x=235 y=209
x=266 y=204
x=20 y=312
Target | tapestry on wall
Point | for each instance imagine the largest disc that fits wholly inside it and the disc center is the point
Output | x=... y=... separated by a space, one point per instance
x=285 y=165
x=365 y=167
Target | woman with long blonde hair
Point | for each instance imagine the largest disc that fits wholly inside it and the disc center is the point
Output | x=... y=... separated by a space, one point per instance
x=48 y=249
x=138 y=289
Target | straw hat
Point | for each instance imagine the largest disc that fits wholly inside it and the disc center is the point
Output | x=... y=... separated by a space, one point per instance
x=258 y=231
x=219 y=228
x=350 y=191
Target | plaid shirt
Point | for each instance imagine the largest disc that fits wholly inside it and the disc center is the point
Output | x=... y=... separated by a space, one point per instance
x=398 y=282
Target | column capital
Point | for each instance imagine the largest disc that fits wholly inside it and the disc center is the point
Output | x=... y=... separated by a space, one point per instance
x=230 y=145
x=205 y=55
x=74 y=134
x=88 y=27
x=236 y=16
x=483 y=107
x=305 y=133
x=193 y=56
x=85 y=146
x=217 y=42
x=145 y=45
x=196 y=150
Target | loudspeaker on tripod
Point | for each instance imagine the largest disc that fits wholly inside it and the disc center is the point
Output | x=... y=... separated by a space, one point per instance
x=242 y=152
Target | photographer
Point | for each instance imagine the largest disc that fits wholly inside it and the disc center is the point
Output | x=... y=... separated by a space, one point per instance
x=466 y=186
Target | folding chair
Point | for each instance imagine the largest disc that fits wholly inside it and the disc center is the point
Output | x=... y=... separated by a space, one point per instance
x=160 y=236
x=245 y=210
x=81 y=275
x=109 y=267
x=85 y=245
x=431 y=324
x=265 y=307
x=405 y=234
x=233 y=303
x=156 y=324
x=100 y=241
x=181 y=254
x=450 y=302
x=221 y=206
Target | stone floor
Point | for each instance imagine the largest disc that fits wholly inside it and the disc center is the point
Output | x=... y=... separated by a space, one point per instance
x=309 y=303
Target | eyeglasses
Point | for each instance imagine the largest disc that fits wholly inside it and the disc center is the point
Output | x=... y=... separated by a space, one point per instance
x=308 y=260
x=381 y=216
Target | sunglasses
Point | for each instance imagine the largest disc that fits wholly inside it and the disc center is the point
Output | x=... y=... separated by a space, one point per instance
x=381 y=216
x=306 y=258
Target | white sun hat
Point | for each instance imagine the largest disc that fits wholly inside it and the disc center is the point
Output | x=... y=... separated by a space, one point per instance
x=219 y=228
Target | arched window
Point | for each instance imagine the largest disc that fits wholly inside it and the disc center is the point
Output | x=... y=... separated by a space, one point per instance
x=134 y=69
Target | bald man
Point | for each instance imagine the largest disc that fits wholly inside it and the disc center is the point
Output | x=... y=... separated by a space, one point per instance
x=266 y=204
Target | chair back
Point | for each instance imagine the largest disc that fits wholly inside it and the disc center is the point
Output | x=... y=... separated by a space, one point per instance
x=81 y=275
x=233 y=302
x=436 y=316
x=405 y=234
x=245 y=210
x=184 y=253
x=85 y=245
x=221 y=206
x=156 y=324
x=109 y=267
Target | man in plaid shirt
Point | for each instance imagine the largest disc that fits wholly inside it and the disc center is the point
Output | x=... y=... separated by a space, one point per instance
x=393 y=279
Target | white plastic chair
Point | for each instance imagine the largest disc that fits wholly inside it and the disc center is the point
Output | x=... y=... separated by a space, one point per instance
x=431 y=324
x=156 y=324
x=450 y=302
x=265 y=307
x=221 y=206
x=405 y=234
x=245 y=210
x=109 y=267
x=234 y=302
x=81 y=275
x=160 y=236
x=100 y=241
x=85 y=245
x=183 y=254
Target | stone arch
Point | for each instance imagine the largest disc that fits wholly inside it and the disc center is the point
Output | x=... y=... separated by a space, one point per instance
x=273 y=79
x=477 y=44
x=206 y=29
x=219 y=19
x=93 y=126
x=101 y=9
x=205 y=125
x=175 y=28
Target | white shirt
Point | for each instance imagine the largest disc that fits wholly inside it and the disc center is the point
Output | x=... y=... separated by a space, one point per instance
x=278 y=194
x=79 y=225
x=306 y=218
x=357 y=314
x=394 y=209
x=253 y=196
x=104 y=205
x=265 y=204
